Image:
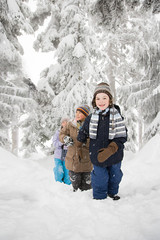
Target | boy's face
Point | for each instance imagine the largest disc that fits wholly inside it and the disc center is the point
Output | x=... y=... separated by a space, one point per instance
x=102 y=101
x=79 y=116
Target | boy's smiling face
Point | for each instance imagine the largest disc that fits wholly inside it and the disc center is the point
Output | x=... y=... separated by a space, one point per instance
x=102 y=101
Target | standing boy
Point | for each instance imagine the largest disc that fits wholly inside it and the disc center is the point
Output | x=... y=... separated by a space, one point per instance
x=107 y=133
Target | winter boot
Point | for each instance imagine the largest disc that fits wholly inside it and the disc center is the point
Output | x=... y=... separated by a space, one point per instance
x=114 y=197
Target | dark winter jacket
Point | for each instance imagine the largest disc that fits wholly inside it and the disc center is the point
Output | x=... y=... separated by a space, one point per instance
x=102 y=140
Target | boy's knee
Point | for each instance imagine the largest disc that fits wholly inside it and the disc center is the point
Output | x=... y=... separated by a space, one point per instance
x=116 y=174
x=99 y=178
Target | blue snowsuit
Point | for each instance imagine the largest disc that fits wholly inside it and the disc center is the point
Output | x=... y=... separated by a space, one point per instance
x=105 y=176
x=61 y=174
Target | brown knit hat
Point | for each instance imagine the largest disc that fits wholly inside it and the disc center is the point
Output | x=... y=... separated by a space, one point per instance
x=102 y=88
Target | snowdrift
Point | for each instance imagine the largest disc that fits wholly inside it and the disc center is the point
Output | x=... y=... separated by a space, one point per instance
x=34 y=207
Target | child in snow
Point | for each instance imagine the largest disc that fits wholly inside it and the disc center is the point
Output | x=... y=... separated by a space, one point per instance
x=107 y=133
x=60 y=172
x=77 y=159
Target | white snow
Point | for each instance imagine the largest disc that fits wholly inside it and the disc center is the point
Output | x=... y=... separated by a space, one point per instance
x=34 y=62
x=32 y=4
x=67 y=41
x=13 y=6
x=34 y=207
x=79 y=50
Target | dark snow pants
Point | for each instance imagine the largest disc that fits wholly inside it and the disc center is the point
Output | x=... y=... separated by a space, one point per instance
x=81 y=180
x=106 y=180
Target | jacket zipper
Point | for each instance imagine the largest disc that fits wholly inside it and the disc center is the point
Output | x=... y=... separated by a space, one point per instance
x=103 y=131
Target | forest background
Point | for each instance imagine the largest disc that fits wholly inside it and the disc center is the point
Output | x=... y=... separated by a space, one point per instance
x=91 y=41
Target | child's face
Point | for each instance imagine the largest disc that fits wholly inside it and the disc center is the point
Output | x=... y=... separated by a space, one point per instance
x=102 y=101
x=79 y=116
x=63 y=124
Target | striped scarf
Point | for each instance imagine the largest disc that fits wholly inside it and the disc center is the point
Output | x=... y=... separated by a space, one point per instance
x=116 y=124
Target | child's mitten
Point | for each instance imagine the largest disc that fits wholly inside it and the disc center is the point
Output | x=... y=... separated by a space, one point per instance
x=105 y=153
x=68 y=141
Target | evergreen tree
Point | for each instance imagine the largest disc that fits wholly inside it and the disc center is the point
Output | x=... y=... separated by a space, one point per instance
x=43 y=10
x=13 y=93
x=119 y=44
x=37 y=128
x=71 y=35
x=130 y=39
x=113 y=41
x=15 y=99
x=143 y=91
x=110 y=12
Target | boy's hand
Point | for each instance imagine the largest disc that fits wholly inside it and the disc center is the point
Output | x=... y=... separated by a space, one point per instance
x=105 y=153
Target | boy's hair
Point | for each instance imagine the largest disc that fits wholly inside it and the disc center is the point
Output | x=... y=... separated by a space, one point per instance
x=102 y=88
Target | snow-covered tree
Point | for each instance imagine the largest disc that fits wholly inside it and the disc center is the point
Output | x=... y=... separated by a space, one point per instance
x=37 y=128
x=14 y=18
x=130 y=38
x=15 y=99
x=71 y=35
x=42 y=12
x=112 y=41
x=142 y=91
x=109 y=12
x=118 y=43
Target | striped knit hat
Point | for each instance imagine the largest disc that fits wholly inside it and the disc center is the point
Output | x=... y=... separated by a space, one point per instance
x=84 y=109
x=102 y=88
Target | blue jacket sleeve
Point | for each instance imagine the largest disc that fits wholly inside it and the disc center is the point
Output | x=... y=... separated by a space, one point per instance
x=84 y=131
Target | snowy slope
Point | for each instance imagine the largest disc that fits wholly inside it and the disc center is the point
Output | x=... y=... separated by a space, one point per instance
x=34 y=207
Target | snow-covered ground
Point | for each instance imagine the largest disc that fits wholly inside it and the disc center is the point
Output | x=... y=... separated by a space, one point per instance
x=34 y=207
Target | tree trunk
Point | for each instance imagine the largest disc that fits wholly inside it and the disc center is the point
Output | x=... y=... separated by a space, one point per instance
x=15 y=140
x=110 y=73
x=140 y=129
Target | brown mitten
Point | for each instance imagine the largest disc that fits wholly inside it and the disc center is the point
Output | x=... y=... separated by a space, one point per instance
x=105 y=153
